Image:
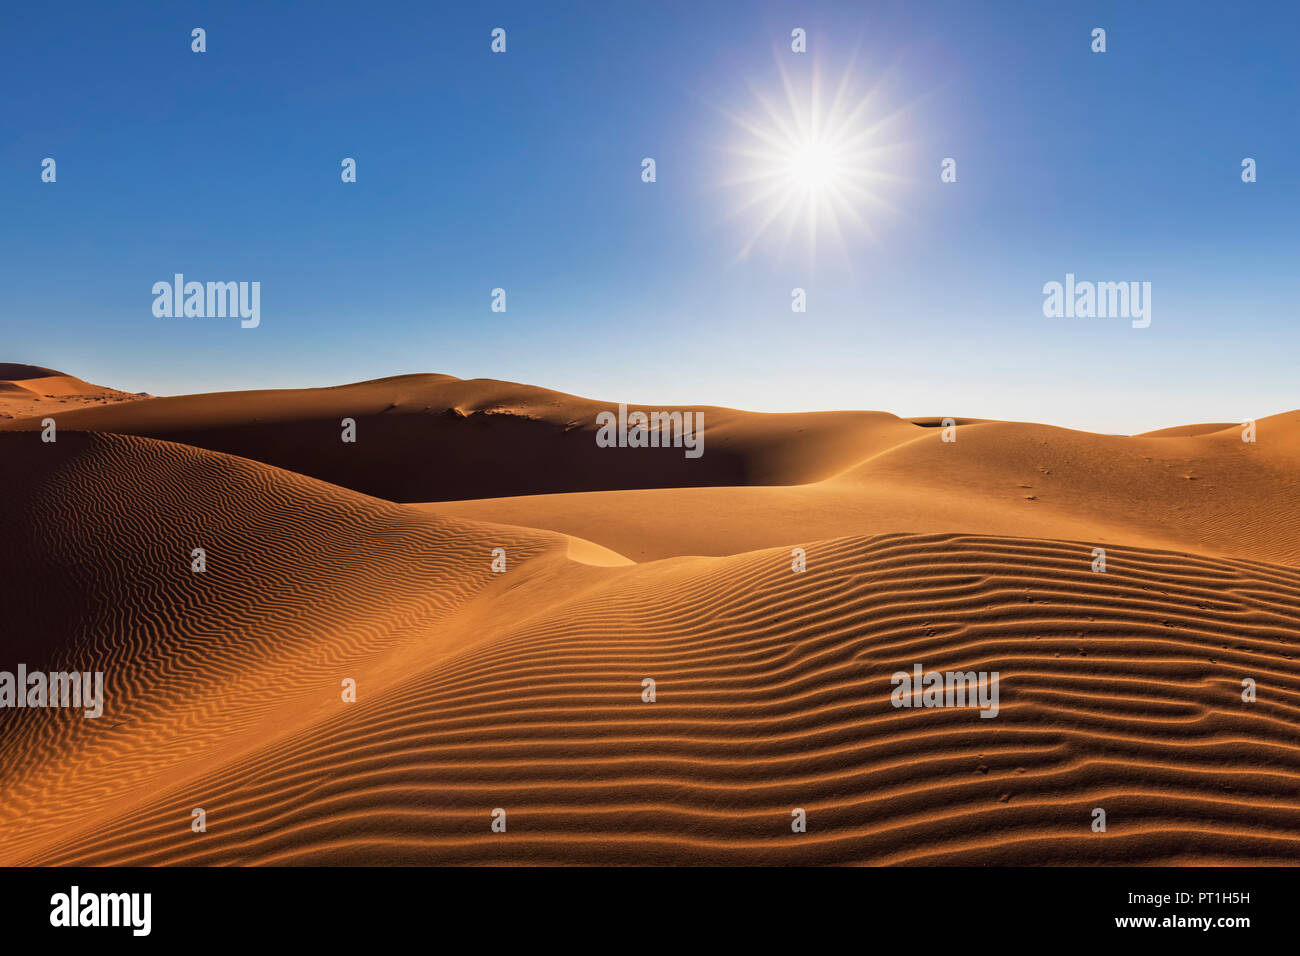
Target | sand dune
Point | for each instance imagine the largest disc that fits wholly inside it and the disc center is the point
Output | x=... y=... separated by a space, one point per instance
x=11 y=371
x=1188 y=431
x=32 y=391
x=435 y=437
x=1207 y=494
x=304 y=584
x=523 y=690
x=517 y=454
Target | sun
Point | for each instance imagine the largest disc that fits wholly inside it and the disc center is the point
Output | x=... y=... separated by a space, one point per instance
x=812 y=166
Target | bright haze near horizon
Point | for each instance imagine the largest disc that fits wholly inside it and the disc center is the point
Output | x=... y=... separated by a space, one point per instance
x=523 y=171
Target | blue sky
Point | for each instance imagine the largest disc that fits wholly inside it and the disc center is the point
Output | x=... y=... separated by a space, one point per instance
x=522 y=171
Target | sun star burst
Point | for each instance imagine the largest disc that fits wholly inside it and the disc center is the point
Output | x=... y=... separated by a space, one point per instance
x=811 y=166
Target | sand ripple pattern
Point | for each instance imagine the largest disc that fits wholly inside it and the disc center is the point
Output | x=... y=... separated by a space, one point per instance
x=1119 y=690
x=305 y=584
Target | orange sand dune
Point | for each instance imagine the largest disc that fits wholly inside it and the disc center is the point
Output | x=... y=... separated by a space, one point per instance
x=523 y=690
x=435 y=437
x=305 y=584
x=521 y=455
x=32 y=391
x=1208 y=494
x=1186 y=431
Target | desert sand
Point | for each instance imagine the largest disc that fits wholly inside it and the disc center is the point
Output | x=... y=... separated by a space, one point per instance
x=522 y=690
x=29 y=390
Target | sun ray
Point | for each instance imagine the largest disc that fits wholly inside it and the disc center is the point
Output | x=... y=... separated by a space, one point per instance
x=811 y=164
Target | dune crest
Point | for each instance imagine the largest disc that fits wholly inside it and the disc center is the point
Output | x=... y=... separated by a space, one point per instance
x=504 y=438
x=1207 y=494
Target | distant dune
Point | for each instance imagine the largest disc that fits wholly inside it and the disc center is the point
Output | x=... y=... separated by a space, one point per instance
x=30 y=390
x=521 y=689
x=1209 y=494
x=434 y=437
x=15 y=370
x=1189 y=431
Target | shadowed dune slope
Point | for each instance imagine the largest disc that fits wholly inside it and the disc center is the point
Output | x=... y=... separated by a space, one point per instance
x=523 y=691
x=435 y=437
x=14 y=371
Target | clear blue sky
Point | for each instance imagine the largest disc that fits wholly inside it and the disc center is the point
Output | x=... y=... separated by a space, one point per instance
x=522 y=171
